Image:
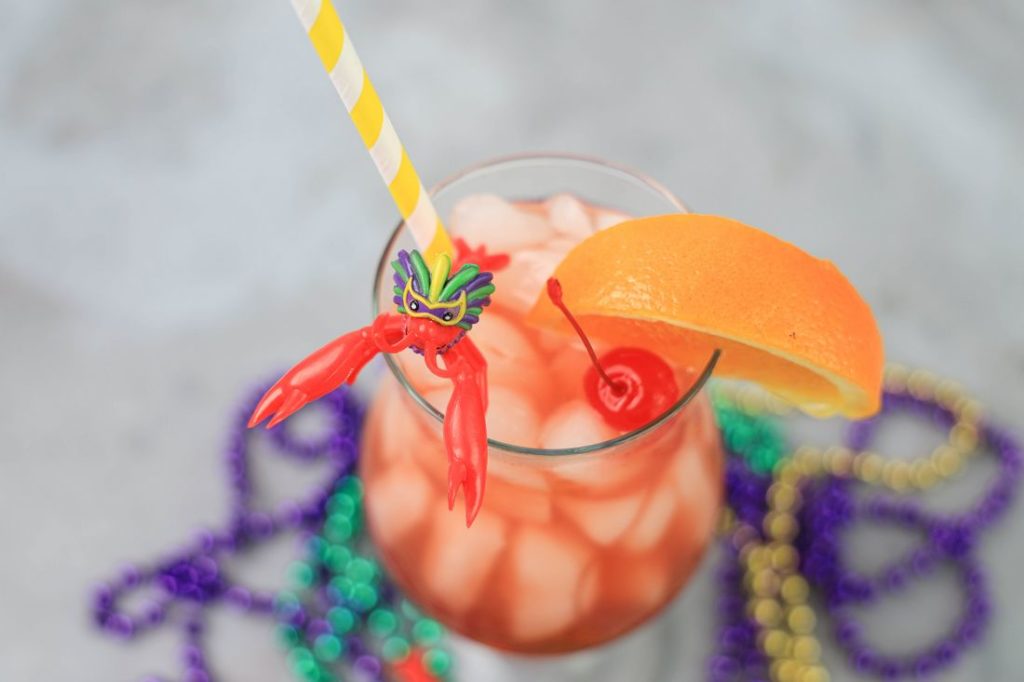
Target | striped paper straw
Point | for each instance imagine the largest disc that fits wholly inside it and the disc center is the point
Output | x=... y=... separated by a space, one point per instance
x=350 y=79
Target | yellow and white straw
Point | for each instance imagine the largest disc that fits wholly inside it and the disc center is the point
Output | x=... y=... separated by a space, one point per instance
x=350 y=79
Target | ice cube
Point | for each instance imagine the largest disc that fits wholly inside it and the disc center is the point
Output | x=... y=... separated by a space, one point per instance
x=551 y=342
x=569 y=216
x=458 y=560
x=512 y=359
x=654 y=520
x=395 y=427
x=699 y=493
x=431 y=457
x=602 y=520
x=511 y=417
x=515 y=503
x=428 y=450
x=548 y=566
x=438 y=398
x=590 y=588
x=575 y=424
x=397 y=503
x=604 y=218
x=561 y=247
x=518 y=487
x=613 y=472
x=644 y=583
x=519 y=284
x=688 y=470
x=569 y=366
x=501 y=226
x=519 y=471
x=706 y=434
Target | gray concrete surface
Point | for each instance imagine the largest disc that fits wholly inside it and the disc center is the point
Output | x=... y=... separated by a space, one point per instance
x=184 y=208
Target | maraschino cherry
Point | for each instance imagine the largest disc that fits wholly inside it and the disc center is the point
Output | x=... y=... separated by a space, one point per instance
x=628 y=386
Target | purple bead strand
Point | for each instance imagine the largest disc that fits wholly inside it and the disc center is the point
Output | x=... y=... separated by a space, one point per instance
x=737 y=656
x=194 y=575
x=841 y=588
x=832 y=508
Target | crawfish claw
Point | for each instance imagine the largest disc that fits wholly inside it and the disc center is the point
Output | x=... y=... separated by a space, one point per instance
x=465 y=429
x=461 y=475
x=471 y=489
x=456 y=477
x=336 y=363
x=294 y=402
x=280 y=402
x=268 y=405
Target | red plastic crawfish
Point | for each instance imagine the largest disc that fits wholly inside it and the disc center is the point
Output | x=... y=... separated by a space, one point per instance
x=435 y=310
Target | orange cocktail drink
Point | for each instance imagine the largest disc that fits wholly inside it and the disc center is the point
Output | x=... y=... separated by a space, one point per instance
x=586 y=530
x=605 y=479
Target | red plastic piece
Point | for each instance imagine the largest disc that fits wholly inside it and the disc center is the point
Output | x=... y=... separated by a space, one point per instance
x=487 y=262
x=628 y=386
x=340 y=361
x=412 y=668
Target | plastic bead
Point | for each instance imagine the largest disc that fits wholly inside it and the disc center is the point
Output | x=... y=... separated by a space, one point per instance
x=328 y=647
x=382 y=622
x=437 y=661
x=395 y=649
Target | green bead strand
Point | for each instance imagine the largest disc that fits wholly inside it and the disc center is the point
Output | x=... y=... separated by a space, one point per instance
x=354 y=585
x=328 y=648
x=336 y=558
x=288 y=635
x=342 y=620
x=361 y=570
x=302 y=574
x=339 y=528
x=382 y=622
x=757 y=439
x=427 y=632
x=395 y=649
x=437 y=661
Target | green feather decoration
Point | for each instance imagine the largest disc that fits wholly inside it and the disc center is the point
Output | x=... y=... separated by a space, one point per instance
x=422 y=274
x=465 y=275
x=482 y=292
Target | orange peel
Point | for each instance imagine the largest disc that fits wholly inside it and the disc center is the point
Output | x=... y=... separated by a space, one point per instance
x=682 y=285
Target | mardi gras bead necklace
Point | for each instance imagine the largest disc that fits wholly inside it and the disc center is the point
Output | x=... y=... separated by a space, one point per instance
x=343 y=614
x=778 y=594
x=192 y=579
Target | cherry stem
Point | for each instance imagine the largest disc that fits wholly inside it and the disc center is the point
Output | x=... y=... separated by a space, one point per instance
x=555 y=294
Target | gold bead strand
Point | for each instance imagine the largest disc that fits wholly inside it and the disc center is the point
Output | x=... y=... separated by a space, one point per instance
x=778 y=594
x=947 y=459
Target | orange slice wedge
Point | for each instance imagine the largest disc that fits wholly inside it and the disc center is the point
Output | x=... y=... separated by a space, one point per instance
x=682 y=285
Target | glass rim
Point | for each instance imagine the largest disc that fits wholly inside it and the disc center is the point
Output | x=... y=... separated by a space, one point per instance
x=519 y=159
